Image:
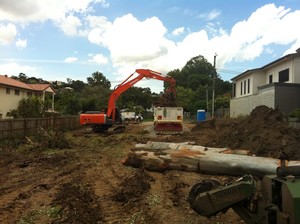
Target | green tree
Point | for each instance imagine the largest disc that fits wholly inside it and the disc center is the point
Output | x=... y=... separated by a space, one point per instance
x=67 y=102
x=98 y=79
x=185 y=98
x=196 y=77
x=94 y=98
x=222 y=102
x=77 y=85
x=32 y=107
x=23 y=77
x=136 y=97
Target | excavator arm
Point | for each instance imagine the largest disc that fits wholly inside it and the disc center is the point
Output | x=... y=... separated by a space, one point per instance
x=127 y=83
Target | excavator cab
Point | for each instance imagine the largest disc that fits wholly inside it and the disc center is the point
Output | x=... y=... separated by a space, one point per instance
x=118 y=117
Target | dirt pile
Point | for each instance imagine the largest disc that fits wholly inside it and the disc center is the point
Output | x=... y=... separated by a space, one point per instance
x=77 y=203
x=264 y=132
x=133 y=187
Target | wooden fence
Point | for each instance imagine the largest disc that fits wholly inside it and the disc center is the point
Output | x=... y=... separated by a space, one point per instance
x=10 y=128
x=222 y=113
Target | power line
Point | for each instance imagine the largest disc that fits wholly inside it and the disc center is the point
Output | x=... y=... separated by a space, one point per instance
x=228 y=71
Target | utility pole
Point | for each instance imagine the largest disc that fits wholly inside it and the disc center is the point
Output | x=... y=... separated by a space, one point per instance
x=207 y=108
x=213 y=88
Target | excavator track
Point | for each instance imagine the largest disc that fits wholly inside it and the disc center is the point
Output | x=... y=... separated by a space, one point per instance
x=116 y=129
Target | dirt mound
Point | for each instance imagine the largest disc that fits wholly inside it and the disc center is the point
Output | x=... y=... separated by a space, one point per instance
x=264 y=132
x=78 y=204
x=133 y=187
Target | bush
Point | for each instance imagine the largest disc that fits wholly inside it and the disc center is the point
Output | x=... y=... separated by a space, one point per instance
x=295 y=114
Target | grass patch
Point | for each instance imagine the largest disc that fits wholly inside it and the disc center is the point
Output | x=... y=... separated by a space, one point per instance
x=153 y=199
x=52 y=212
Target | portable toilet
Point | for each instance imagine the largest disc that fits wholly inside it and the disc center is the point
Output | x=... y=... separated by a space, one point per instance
x=200 y=115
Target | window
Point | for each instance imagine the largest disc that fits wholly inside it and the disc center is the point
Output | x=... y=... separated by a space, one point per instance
x=7 y=90
x=17 y=92
x=245 y=87
x=270 y=79
x=234 y=90
x=29 y=94
x=284 y=75
x=248 y=85
x=241 y=88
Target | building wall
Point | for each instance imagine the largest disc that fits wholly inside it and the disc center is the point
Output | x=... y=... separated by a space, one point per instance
x=244 y=86
x=259 y=79
x=284 y=96
x=243 y=106
x=280 y=67
x=9 y=101
x=255 y=79
x=297 y=70
x=287 y=97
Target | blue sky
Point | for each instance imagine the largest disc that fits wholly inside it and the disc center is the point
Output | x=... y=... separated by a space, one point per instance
x=60 y=39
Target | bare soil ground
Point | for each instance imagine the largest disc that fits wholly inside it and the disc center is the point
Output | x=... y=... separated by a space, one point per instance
x=85 y=182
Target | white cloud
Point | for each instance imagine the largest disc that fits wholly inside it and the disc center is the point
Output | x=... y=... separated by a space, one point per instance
x=99 y=59
x=70 y=25
x=70 y=59
x=210 y=15
x=98 y=22
x=98 y=25
x=134 y=43
x=104 y=3
x=38 y=11
x=14 y=69
x=144 y=43
x=7 y=33
x=130 y=40
x=178 y=31
x=21 y=43
x=58 y=11
x=249 y=38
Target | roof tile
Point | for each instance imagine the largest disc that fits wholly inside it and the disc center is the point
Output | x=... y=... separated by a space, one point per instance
x=5 y=80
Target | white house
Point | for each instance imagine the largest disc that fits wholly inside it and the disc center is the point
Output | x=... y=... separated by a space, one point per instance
x=276 y=85
x=12 y=91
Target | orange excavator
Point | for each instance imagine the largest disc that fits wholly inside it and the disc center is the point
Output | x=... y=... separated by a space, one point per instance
x=110 y=120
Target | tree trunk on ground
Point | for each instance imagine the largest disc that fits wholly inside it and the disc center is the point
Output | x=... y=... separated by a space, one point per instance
x=161 y=156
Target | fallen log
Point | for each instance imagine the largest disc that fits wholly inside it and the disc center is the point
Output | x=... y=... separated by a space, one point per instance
x=185 y=157
x=188 y=145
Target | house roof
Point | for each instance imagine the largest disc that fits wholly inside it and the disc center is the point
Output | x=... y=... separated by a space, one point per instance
x=245 y=73
x=5 y=80
x=40 y=87
x=284 y=58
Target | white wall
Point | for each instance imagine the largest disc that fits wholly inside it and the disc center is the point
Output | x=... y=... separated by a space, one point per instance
x=280 y=67
x=259 y=78
x=297 y=70
x=10 y=101
x=242 y=82
x=243 y=106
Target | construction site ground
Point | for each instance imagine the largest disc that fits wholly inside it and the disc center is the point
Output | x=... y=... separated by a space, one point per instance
x=84 y=181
